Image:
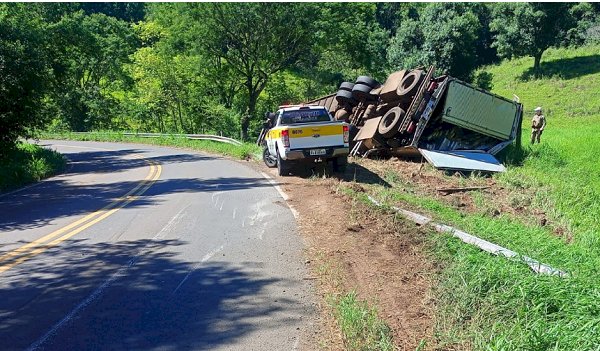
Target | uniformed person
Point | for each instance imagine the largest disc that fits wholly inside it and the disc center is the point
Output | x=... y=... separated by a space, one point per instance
x=538 y=123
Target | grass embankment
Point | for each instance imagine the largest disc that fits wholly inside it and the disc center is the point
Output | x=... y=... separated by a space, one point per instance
x=243 y=152
x=490 y=303
x=28 y=163
x=357 y=319
x=360 y=325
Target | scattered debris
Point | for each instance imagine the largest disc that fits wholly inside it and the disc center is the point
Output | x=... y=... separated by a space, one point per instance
x=447 y=191
x=485 y=245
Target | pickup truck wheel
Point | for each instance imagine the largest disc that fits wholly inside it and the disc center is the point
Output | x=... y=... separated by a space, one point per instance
x=340 y=164
x=409 y=85
x=347 y=86
x=283 y=167
x=269 y=159
x=388 y=127
x=366 y=80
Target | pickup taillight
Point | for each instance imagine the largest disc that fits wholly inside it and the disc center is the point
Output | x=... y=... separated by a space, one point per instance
x=346 y=134
x=285 y=137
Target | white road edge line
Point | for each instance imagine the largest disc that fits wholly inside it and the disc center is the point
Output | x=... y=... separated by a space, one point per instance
x=281 y=193
x=98 y=292
x=206 y=257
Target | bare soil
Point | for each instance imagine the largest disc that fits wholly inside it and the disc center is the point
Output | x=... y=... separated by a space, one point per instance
x=351 y=246
x=493 y=201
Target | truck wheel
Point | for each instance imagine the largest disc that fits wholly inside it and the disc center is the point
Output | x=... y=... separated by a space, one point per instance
x=362 y=92
x=344 y=97
x=347 y=86
x=283 y=167
x=409 y=85
x=340 y=164
x=388 y=127
x=269 y=160
x=341 y=115
x=366 y=80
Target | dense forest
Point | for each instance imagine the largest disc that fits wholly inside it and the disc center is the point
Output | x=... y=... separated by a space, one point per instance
x=217 y=67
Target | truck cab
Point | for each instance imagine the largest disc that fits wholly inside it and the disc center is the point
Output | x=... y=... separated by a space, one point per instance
x=303 y=135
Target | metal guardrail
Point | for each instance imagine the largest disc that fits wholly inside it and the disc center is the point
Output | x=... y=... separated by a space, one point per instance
x=216 y=138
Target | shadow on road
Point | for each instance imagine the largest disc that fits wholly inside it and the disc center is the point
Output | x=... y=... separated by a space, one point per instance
x=134 y=295
x=122 y=160
x=40 y=205
x=58 y=198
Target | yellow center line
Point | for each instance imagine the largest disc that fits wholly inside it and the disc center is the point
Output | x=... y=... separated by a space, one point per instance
x=91 y=219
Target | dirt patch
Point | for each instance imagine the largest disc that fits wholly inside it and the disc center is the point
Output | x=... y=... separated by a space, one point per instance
x=351 y=246
x=494 y=200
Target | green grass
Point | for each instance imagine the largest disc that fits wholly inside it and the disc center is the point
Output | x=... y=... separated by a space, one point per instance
x=565 y=167
x=28 y=163
x=242 y=152
x=486 y=302
x=361 y=328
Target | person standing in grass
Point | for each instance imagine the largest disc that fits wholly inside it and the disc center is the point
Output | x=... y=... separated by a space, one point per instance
x=538 y=123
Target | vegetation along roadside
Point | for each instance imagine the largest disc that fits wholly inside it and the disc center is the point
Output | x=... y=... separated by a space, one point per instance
x=28 y=163
x=246 y=151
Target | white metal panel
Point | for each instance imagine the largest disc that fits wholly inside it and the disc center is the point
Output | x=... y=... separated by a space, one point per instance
x=463 y=160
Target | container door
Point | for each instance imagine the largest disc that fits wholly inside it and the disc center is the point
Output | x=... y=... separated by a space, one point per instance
x=463 y=160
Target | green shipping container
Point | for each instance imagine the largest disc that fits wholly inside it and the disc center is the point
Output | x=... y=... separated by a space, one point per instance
x=479 y=111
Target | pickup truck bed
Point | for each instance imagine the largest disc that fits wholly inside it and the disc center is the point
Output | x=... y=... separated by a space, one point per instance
x=304 y=135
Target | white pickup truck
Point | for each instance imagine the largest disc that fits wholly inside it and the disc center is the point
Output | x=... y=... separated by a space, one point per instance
x=302 y=135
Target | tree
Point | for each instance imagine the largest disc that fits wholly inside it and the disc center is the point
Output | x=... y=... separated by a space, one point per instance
x=445 y=35
x=23 y=73
x=256 y=40
x=528 y=29
x=88 y=53
x=126 y=11
x=349 y=41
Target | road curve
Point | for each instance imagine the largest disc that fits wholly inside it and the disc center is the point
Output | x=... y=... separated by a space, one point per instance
x=137 y=247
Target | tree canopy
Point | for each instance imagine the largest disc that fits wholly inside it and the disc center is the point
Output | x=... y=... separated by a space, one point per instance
x=217 y=67
x=528 y=29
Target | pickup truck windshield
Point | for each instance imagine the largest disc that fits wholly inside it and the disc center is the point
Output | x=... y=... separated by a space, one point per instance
x=304 y=116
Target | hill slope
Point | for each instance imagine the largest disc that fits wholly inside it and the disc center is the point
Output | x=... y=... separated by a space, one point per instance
x=566 y=164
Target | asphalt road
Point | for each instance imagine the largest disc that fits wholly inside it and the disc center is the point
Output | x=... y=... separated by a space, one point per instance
x=137 y=247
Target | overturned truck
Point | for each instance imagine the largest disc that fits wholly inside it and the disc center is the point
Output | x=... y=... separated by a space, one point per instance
x=452 y=124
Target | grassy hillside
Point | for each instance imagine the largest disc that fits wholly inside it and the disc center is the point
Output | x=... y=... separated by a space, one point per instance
x=488 y=303
x=496 y=305
x=566 y=165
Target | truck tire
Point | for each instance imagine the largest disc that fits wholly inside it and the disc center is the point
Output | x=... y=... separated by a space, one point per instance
x=269 y=160
x=388 y=127
x=283 y=166
x=409 y=85
x=370 y=111
x=347 y=86
x=340 y=164
x=362 y=92
x=341 y=115
x=344 y=97
x=368 y=81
